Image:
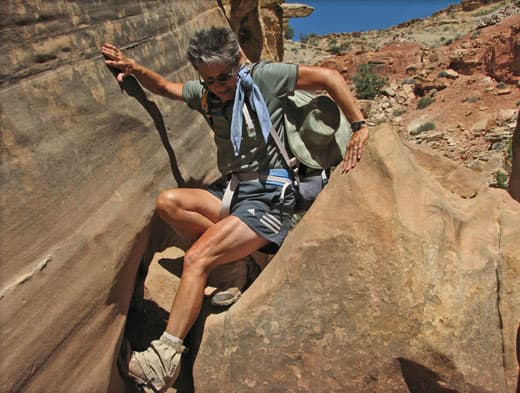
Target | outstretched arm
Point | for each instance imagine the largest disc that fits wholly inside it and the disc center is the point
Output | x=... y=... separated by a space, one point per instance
x=319 y=78
x=148 y=78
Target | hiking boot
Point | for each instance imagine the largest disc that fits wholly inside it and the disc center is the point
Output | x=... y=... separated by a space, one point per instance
x=228 y=296
x=155 y=369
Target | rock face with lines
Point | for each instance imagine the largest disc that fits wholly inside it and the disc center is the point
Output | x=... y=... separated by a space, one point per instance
x=258 y=24
x=514 y=181
x=82 y=163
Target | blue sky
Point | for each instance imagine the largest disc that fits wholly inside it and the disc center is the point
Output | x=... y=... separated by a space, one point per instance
x=343 y=16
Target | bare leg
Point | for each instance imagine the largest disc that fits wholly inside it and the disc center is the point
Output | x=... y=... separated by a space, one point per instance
x=194 y=214
x=190 y=212
x=226 y=241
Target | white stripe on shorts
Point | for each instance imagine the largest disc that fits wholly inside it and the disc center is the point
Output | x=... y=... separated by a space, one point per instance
x=274 y=220
x=269 y=226
x=271 y=222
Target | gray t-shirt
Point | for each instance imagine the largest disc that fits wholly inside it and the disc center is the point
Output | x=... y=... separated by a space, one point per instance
x=276 y=81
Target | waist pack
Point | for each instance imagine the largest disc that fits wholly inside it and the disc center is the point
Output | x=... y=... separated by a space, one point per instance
x=317 y=133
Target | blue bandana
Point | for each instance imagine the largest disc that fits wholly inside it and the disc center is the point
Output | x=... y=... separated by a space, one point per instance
x=247 y=88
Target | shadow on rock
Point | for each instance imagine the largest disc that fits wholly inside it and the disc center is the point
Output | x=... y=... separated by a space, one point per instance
x=421 y=379
x=132 y=87
x=174 y=266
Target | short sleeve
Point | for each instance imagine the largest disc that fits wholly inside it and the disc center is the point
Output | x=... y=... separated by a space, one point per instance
x=192 y=94
x=278 y=78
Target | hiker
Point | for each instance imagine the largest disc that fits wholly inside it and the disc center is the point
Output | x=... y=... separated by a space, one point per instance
x=264 y=197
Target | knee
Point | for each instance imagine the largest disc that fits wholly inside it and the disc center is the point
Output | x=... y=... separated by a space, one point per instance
x=195 y=262
x=167 y=202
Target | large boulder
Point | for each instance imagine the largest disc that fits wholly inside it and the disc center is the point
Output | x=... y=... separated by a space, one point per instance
x=404 y=276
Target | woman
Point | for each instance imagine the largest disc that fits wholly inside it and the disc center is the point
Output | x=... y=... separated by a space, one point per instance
x=262 y=205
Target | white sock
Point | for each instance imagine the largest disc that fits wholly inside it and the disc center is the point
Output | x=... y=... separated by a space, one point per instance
x=172 y=338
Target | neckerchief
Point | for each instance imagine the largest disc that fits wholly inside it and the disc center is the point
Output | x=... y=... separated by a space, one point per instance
x=246 y=88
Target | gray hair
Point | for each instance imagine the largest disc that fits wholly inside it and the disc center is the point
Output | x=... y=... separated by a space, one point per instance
x=214 y=45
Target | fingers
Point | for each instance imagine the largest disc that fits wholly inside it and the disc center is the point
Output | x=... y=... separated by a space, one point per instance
x=354 y=150
x=352 y=156
x=110 y=46
x=115 y=58
x=112 y=52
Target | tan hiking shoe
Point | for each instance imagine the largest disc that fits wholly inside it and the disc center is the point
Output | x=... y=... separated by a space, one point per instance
x=226 y=295
x=155 y=369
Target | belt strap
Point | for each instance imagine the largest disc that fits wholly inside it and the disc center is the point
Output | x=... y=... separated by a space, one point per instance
x=228 y=195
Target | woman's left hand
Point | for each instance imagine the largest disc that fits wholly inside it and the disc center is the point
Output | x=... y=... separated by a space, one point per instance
x=355 y=149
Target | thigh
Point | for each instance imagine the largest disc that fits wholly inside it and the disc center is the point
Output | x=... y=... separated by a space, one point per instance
x=226 y=241
x=198 y=201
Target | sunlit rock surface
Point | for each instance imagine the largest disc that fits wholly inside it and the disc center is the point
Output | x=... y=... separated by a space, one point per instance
x=404 y=274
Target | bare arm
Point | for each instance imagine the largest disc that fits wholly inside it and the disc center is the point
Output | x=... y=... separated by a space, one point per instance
x=318 y=78
x=149 y=79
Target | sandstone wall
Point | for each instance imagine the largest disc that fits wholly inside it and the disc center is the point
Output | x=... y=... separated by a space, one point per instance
x=258 y=24
x=82 y=162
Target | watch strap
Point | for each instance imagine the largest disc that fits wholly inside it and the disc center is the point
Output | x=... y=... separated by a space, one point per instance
x=356 y=125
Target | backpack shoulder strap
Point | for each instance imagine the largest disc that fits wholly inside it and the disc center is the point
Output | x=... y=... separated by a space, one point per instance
x=253 y=66
x=204 y=101
x=291 y=163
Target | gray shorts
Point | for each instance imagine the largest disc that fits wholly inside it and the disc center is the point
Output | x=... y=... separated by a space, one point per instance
x=260 y=205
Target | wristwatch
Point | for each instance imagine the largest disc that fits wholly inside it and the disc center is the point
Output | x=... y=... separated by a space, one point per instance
x=356 y=125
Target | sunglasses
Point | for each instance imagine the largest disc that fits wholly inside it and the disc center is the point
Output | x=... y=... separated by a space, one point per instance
x=222 y=78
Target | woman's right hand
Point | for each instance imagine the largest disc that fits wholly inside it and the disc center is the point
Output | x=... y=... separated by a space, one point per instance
x=115 y=58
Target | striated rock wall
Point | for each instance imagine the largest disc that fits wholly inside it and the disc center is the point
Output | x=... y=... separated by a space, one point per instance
x=394 y=281
x=82 y=162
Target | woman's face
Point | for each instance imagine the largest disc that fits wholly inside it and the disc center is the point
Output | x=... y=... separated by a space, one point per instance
x=221 y=79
